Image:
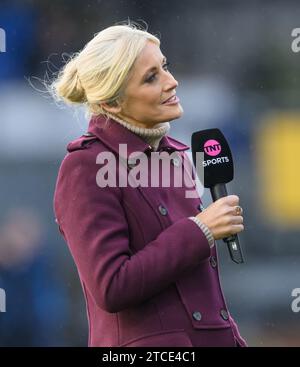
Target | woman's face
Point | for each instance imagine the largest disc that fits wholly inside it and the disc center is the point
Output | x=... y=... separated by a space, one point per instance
x=150 y=84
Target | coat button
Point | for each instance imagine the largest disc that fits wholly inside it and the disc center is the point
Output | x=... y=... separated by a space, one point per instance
x=200 y=207
x=197 y=315
x=213 y=261
x=162 y=210
x=224 y=314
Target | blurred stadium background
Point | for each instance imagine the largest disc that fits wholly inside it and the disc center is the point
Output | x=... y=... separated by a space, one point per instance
x=236 y=71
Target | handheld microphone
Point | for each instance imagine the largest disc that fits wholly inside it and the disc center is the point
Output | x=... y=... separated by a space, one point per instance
x=218 y=170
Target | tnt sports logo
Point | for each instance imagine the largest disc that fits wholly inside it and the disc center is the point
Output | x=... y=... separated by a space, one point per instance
x=212 y=147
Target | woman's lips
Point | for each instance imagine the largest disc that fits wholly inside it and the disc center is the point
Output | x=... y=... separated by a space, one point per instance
x=172 y=100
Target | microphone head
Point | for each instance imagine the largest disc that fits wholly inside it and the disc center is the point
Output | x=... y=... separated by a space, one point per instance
x=217 y=161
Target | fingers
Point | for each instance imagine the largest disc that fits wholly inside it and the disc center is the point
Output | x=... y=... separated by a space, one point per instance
x=236 y=228
x=230 y=205
x=236 y=224
x=231 y=200
x=237 y=219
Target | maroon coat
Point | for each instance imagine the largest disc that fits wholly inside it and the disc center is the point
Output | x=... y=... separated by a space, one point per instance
x=147 y=272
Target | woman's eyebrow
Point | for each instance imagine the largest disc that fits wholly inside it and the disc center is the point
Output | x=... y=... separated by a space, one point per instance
x=154 y=67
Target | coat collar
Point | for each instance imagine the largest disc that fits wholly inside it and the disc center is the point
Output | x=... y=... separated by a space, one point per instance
x=111 y=133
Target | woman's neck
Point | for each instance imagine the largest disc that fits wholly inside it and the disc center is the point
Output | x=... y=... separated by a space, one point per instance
x=151 y=135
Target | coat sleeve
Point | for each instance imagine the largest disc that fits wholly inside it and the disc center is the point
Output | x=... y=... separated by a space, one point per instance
x=93 y=223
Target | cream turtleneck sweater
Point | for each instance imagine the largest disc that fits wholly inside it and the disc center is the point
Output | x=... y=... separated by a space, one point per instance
x=152 y=136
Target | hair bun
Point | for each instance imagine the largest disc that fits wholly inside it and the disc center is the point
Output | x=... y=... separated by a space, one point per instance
x=68 y=85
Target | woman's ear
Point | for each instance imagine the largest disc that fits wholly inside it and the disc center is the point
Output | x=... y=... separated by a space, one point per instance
x=112 y=107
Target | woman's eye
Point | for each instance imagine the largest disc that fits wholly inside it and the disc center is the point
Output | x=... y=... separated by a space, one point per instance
x=153 y=76
x=165 y=66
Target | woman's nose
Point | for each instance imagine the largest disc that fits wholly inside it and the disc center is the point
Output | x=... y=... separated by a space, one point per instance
x=171 y=82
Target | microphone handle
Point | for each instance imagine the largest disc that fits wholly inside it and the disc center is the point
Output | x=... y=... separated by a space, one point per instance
x=218 y=191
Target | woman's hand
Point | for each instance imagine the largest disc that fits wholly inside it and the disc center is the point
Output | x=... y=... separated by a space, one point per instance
x=220 y=217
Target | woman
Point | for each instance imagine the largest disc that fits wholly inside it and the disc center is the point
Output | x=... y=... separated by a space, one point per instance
x=145 y=254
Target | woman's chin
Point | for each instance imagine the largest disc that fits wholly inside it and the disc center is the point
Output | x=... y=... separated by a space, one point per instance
x=176 y=114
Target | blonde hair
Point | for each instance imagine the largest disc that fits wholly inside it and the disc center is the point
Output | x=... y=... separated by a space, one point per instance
x=98 y=73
